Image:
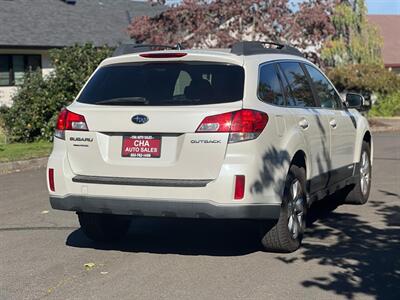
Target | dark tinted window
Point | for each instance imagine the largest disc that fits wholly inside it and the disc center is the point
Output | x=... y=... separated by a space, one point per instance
x=165 y=84
x=325 y=91
x=299 y=91
x=269 y=86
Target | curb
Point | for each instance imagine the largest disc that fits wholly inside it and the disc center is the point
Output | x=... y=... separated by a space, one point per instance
x=385 y=129
x=384 y=124
x=22 y=165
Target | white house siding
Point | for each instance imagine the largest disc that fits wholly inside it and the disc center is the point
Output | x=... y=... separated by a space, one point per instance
x=6 y=92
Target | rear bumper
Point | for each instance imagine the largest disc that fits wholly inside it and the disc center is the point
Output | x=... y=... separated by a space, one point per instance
x=163 y=208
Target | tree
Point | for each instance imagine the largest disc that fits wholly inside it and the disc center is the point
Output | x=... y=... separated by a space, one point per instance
x=219 y=23
x=355 y=40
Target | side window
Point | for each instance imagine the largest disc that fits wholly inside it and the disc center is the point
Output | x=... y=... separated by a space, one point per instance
x=298 y=90
x=325 y=91
x=269 y=86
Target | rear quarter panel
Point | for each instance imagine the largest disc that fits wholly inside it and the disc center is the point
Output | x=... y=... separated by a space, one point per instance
x=278 y=143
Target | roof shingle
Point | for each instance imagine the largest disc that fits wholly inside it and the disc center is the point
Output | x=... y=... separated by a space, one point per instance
x=54 y=23
x=388 y=26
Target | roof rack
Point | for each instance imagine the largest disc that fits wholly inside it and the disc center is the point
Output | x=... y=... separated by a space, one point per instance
x=130 y=48
x=253 y=48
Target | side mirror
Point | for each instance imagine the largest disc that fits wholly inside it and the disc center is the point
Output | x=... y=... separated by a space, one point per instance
x=354 y=100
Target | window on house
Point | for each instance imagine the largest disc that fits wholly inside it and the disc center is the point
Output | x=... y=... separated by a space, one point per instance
x=14 y=67
x=4 y=71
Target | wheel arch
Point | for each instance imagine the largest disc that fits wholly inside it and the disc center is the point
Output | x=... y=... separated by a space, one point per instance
x=365 y=137
x=300 y=159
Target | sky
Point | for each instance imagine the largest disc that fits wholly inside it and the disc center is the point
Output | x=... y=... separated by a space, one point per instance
x=387 y=7
x=374 y=6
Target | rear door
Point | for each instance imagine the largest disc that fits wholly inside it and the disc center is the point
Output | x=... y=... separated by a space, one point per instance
x=310 y=122
x=342 y=126
x=143 y=117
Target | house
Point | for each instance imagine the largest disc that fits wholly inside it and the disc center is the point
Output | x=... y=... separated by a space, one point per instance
x=30 y=28
x=389 y=26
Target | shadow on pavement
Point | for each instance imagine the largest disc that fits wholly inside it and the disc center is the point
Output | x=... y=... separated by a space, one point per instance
x=367 y=257
x=181 y=236
x=363 y=259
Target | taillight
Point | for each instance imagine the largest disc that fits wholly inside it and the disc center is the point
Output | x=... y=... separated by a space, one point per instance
x=162 y=55
x=217 y=123
x=69 y=121
x=51 y=180
x=239 y=187
x=242 y=125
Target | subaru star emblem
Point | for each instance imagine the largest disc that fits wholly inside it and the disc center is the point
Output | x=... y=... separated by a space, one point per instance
x=139 y=119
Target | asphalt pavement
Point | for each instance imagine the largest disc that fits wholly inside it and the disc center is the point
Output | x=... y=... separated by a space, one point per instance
x=349 y=252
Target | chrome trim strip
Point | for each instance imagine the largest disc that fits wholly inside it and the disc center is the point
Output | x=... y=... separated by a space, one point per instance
x=141 y=181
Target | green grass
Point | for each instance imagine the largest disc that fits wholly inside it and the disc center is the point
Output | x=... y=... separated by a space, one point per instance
x=22 y=151
x=387 y=106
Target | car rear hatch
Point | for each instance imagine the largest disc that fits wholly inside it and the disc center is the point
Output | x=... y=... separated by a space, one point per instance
x=142 y=119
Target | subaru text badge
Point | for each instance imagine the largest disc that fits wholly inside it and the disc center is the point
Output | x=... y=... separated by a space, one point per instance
x=140 y=119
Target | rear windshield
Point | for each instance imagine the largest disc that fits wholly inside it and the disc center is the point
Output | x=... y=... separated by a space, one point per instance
x=155 y=84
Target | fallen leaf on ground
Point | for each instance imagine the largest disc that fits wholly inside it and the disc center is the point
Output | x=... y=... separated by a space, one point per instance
x=89 y=266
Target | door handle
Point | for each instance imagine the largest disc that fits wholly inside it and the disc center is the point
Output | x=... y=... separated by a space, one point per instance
x=333 y=123
x=304 y=124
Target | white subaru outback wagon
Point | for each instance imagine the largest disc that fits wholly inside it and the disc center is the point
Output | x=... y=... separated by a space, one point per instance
x=251 y=132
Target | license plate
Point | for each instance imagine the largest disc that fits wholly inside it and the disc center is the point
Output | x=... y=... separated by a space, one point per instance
x=147 y=146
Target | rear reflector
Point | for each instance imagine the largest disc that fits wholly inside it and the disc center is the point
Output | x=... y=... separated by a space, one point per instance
x=51 y=180
x=69 y=121
x=243 y=125
x=162 y=55
x=239 y=187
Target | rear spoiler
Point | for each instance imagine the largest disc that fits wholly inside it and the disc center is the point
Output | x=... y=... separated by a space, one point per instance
x=131 y=48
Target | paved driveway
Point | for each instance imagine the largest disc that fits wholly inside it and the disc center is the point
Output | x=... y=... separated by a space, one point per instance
x=349 y=251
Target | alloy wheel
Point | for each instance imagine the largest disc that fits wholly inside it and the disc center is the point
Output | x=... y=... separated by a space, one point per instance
x=364 y=173
x=296 y=210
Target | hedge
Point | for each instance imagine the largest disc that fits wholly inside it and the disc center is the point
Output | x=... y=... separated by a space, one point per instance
x=365 y=78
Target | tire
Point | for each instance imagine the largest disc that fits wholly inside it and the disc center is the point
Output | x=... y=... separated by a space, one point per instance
x=286 y=235
x=104 y=227
x=359 y=192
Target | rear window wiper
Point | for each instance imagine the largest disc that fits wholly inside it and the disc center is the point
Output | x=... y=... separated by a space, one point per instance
x=124 y=100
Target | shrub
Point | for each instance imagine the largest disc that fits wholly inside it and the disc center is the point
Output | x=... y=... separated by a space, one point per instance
x=387 y=106
x=3 y=111
x=365 y=78
x=38 y=101
x=23 y=120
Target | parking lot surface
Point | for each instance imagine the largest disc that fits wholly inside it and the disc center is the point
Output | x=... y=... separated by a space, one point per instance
x=349 y=252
